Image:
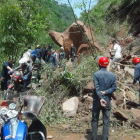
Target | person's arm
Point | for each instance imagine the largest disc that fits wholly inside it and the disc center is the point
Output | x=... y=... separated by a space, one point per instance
x=19 y=67
x=6 y=66
x=136 y=74
x=112 y=88
x=96 y=85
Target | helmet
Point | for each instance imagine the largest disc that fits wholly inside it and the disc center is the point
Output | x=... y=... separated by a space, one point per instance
x=22 y=60
x=136 y=60
x=62 y=48
x=103 y=61
x=37 y=46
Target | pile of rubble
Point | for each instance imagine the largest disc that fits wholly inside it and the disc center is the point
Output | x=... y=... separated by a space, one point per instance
x=124 y=102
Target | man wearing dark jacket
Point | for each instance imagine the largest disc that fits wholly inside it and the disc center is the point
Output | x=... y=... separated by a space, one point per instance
x=5 y=73
x=62 y=54
x=72 y=52
x=136 y=62
x=26 y=71
x=105 y=85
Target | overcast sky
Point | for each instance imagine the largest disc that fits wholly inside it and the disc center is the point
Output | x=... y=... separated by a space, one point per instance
x=77 y=11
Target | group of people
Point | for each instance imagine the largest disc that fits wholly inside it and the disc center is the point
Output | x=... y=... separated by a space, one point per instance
x=104 y=81
x=30 y=60
x=49 y=55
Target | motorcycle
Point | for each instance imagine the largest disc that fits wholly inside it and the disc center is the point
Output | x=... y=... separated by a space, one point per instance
x=13 y=127
x=16 y=84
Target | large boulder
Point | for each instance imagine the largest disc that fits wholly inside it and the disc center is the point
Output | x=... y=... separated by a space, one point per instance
x=70 y=107
x=89 y=87
x=79 y=35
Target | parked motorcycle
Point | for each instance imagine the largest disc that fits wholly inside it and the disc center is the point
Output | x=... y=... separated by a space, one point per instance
x=12 y=125
x=16 y=84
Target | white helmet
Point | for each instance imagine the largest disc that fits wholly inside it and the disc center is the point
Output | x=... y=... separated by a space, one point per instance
x=62 y=48
x=22 y=60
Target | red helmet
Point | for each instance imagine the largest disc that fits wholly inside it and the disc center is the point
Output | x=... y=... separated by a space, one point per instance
x=103 y=61
x=136 y=60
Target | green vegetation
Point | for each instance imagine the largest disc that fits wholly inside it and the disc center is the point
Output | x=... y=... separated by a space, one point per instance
x=107 y=17
x=28 y=22
x=63 y=83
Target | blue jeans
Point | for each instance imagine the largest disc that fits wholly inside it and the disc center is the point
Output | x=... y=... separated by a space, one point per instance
x=95 y=117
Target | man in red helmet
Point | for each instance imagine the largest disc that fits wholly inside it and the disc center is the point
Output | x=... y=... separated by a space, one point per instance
x=105 y=85
x=136 y=62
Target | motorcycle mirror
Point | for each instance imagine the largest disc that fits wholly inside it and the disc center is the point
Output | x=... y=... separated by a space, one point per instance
x=3 y=104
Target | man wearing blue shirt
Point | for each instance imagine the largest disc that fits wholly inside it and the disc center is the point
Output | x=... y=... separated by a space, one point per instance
x=105 y=85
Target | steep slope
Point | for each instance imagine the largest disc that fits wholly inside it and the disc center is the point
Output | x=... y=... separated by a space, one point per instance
x=116 y=19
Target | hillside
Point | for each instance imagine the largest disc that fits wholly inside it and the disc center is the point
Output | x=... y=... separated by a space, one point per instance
x=114 y=19
x=24 y=23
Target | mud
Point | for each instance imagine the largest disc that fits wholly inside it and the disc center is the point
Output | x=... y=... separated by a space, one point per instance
x=71 y=136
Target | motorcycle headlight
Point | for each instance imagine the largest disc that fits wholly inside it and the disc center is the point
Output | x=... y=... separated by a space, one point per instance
x=12 y=106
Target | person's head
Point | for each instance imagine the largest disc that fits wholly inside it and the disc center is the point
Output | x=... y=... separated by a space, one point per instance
x=44 y=45
x=103 y=62
x=37 y=46
x=50 y=46
x=23 y=61
x=72 y=45
x=62 y=48
x=29 y=47
x=136 y=60
x=114 y=42
x=10 y=60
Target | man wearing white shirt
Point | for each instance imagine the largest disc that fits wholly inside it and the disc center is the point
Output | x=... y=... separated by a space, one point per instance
x=117 y=49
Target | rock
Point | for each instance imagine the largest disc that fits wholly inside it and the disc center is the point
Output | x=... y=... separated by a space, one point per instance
x=136 y=112
x=119 y=102
x=89 y=87
x=113 y=104
x=133 y=48
x=74 y=35
x=70 y=107
x=118 y=96
x=130 y=95
x=65 y=126
x=88 y=98
x=49 y=137
x=129 y=70
x=136 y=123
x=120 y=115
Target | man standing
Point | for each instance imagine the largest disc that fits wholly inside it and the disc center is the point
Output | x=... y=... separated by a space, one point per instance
x=44 y=52
x=27 y=54
x=136 y=62
x=72 y=52
x=36 y=66
x=117 y=49
x=38 y=52
x=6 y=70
x=26 y=71
x=105 y=85
x=62 y=54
